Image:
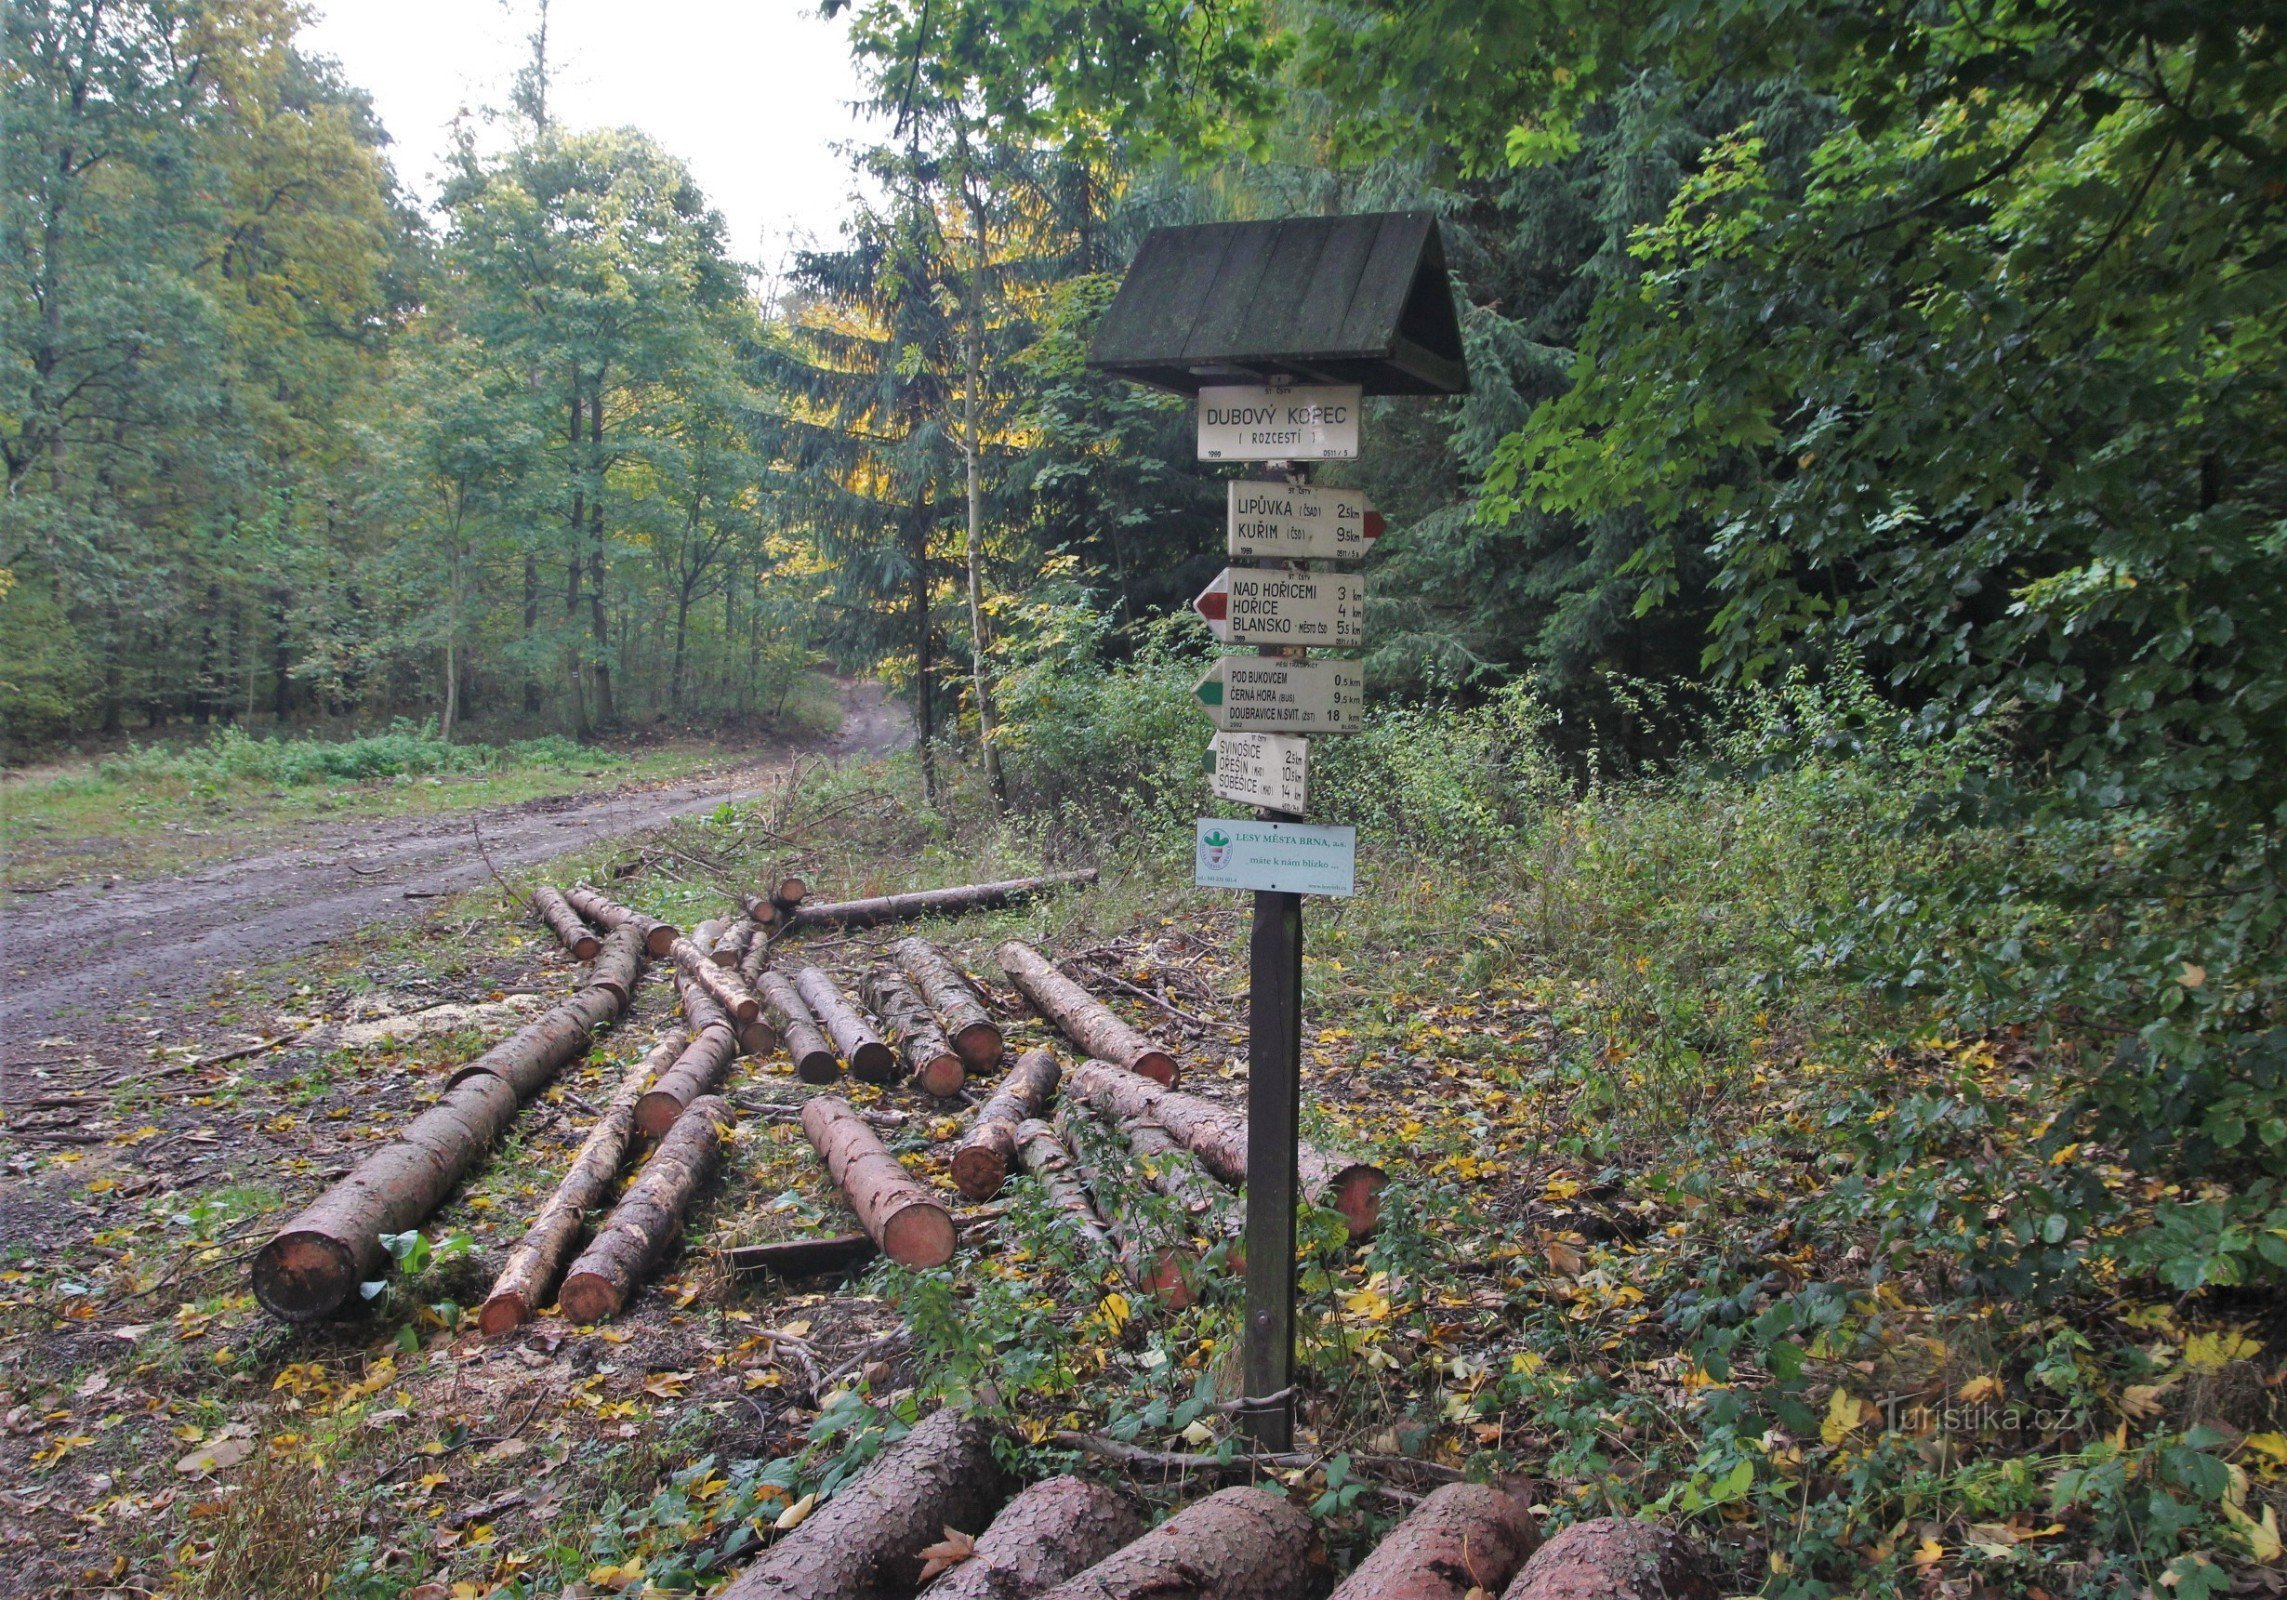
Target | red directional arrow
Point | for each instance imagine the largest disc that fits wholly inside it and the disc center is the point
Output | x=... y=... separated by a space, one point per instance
x=1375 y=525
x=1214 y=604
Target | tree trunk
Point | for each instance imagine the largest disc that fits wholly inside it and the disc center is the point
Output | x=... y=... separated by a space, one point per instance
x=924 y=724
x=1056 y=1528
x=972 y=446
x=1465 y=1537
x=607 y=707
x=929 y=1056
x=531 y=622
x=951 y=902
x=552 y=908
x=721 y=985
x=524 y=1282
x=1615 y=1556
x=1237 y=1544
x=575 y=663
x=1157 y=1256
x=529 y=1059
x=682 y=624
x=860 y=1043
x=697 y=1071
x=1080 y=1016
x=970 y=1026
x=814 y=1059
x=909 y=1224
x=649 y=1217
x=866 y=1542
x=1217 y=1135
x=618 y=964
x=1051 y=1166
x=605 y=912
x=983 y=1158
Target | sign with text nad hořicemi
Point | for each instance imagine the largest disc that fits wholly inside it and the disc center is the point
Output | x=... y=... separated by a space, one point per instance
x=1283 y=857
x=1274 y=520
x=1270 y=605
x=1279 y=422
x=1261 y=769
x=1267 y=694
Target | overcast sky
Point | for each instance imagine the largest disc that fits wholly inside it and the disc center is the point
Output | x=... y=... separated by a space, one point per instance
x=753 y=94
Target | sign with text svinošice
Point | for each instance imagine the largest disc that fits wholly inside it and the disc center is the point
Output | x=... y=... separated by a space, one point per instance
x=1264 y=694
x=1279 y=422
x=1262 y=769
x=1282 y=857
x=1268 y=605
x=1277 y=520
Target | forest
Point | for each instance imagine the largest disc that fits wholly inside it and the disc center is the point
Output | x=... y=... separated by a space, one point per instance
x=1827 y=746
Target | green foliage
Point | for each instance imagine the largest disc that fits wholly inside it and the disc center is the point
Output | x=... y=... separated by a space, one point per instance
x=407 y=750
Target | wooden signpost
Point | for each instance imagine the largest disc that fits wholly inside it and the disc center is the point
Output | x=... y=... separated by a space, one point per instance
x=1281 y=329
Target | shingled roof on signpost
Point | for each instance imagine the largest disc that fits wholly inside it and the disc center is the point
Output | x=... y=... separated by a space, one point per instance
x=1360 y=299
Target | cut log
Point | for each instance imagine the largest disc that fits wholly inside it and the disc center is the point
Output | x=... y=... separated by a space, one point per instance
x=905 y=1219
x=929 y=1055
x=860 y=1043
x=1465 y=1536
x=1153 y=1250
x=605 y=912
x=1080 y=1016
x=730 y=949
x=801 y=1258
x=1613 y=1558
x=529 y=1059
x=618 y=965
x=761 y=912
x=707 y=932
x=314 y=1263
x=523 y=1284
x=1050 y=1532
x=957 y=1004
x=549 y=904
x=697 y=1070
x=1217 y=1135
x=649 y=1217
x=789 y=892
x=985 y=1155
x=1052 y=1167
x=727 y=989
x=951 y=902
x=1237 y=1544
x=866 y=1542
x=1175 y=1172
x=814 y=1059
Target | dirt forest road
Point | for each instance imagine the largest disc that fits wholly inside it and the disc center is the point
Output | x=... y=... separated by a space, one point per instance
x=69 y=962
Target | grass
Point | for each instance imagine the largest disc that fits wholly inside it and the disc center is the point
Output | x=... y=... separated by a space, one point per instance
x=1684 y=1223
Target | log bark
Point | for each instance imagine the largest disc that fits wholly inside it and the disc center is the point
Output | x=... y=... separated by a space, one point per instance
x=1616 y=1558
x=1052 y=1531
x=605 y=912
x=529 y=1059
x=618 y=964
x=860 y=1043
x=314 y=1263
x=905 y=1219
x=1217 y=1135
x=1157 y=1256
x=523 y=1284
x=1052 y=1167
x=727 y=989
x=1080 y=1016
x=814 y=1059
x=1464 y=1536
x=958 y=1006
x=866 y=1542
x=952 y=902
x=1237 y=1544
x=983 y=1158
x=649 y=1217
x=697 y=1070
x=929 y=1055
x=800 y=1258
x=1176 y=1173
x=549 y=904
x=730 y=949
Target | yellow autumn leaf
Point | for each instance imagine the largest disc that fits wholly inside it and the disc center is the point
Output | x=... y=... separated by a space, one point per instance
x=2260 y=1537
x=2140 y=1402
x=2272 y=1447
x=1115 y=1311
x=2212 y=1352
x=1929 y=1553
x=1844 y=1412
x=794 y=1515
x=1982 y=1387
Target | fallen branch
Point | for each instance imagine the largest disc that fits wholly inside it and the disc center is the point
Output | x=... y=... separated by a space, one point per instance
x=1249 y=1465
x=951 y=902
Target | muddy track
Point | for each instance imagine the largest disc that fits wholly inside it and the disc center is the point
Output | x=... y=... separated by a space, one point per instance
x=70 y=961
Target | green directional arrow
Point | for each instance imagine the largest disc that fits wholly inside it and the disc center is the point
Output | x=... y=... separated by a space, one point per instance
x=1210 y=688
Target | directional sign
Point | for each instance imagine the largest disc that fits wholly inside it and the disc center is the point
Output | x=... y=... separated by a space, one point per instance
x=1288 y=857
x=1279 y=422
x=1265 y=605
x=1263 y=694
x=1271 y=519
x=1262 y=769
